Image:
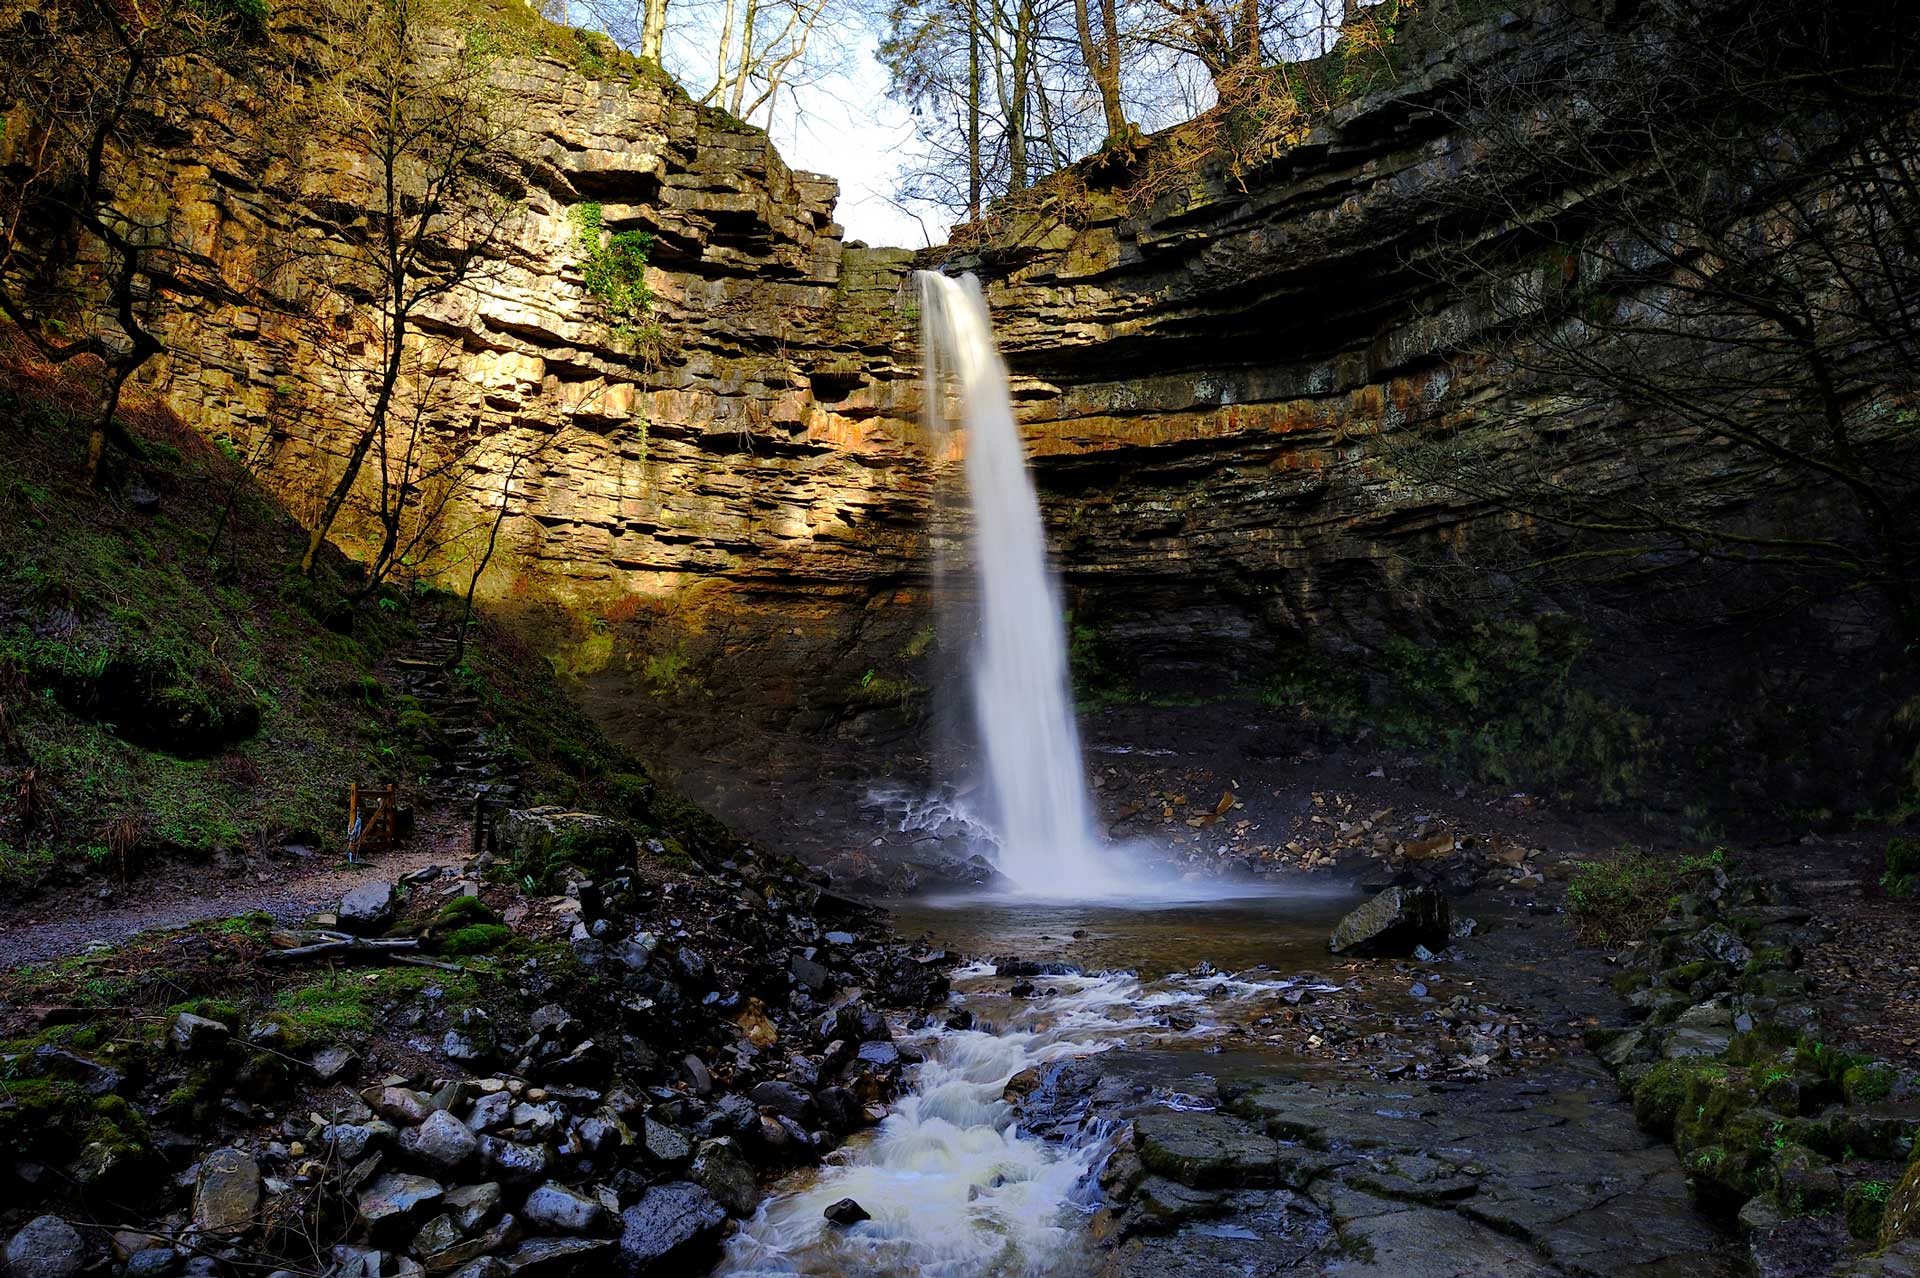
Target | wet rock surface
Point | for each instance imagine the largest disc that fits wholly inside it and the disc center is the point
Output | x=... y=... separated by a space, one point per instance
x=1357 y=1178
x=1395 y=923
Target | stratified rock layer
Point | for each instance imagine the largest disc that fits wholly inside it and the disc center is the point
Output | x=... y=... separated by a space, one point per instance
x=1204 y=381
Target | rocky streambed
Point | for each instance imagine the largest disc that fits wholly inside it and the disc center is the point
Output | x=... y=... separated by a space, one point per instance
x=665 y=1073
x=1299 y=1114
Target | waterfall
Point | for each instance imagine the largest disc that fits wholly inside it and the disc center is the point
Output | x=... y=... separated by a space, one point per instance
x=1022 y=704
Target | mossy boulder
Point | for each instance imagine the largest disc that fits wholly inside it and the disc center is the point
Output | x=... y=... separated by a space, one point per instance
x=1865 y=1208
x=476 y=938
x=1804 y=1182
x=464 y=911
x=542 y=841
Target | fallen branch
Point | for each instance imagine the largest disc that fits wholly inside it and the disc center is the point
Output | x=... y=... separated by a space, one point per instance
x=339 y=944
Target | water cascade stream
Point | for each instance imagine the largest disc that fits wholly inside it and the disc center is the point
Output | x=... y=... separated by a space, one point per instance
x=954 y=1186
x=1022 y=703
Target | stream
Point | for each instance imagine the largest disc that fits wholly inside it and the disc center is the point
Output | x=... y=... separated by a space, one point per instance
x=1199 y=1090
x=954 y=1185
x=1148 y=1084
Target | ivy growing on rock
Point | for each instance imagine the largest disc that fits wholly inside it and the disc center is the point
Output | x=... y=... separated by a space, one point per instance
x=613 y=267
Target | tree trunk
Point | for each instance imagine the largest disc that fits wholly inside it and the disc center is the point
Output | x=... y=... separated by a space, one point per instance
x=720 y=82
x=473 y=581
x=1016 y=105
x=117 y=373
x=653 y=29
x=1102 y=62
x=376 y=426
x=973 y=109
x=746 y=59
x=1249 y=50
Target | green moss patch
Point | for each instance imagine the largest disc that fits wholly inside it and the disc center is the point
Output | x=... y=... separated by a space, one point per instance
x=1620 y=899
x=477 y=938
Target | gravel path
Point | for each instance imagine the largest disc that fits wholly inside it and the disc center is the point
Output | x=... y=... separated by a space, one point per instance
x=66 y=921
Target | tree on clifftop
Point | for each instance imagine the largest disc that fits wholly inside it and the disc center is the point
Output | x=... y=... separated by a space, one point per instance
x=406 y=96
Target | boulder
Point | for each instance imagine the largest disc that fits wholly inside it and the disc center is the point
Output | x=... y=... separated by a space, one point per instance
x=332 y=1063
x=563 y=1210
x=557 y=1258
x=784 y=1098
x=1704 y=1030
x=398 y=1104
x=881 y=1053
x=193 y=1035
x=665 y=1144
x=92 y=1077
x=442 y=1142
x=437 y=1237
x=226 y=1197
x=153 y=1262
x=722 y=1170
x=367 y=910
x=1393 y=924
x=698 y=1076
x=839 y=1109
x=846 y=1212
x=513 y=1161
x=490 y=1111
x=45 y=1247
x=530 y=835
x=472 y=1206
x=396 y=1200
x=674 y=1229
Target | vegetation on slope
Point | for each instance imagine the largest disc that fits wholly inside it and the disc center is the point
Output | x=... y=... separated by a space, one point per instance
x=171 y=686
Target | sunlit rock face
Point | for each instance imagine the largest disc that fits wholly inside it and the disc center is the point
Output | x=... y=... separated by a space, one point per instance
x=743 y=533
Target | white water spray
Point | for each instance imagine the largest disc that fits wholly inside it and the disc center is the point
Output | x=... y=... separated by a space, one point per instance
x=954 y=1187
x=1021 y=700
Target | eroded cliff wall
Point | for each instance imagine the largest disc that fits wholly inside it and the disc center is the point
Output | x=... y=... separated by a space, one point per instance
x=737 y=536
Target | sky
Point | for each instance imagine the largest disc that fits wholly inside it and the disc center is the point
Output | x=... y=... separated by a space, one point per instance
x=845 y=126
x=839 y=122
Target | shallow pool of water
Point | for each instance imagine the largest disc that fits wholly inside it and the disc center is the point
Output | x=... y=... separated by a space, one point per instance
x=1284 y=929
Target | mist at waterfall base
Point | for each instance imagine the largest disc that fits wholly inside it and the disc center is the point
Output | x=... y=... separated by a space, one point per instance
x=1044 y=841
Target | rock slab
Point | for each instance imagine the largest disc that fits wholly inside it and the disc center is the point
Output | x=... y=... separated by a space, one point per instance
x=46 y=1247
x=673 y=1229
x=1393 y=924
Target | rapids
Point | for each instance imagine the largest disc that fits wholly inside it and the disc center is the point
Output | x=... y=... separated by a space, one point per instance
x=955 y=1187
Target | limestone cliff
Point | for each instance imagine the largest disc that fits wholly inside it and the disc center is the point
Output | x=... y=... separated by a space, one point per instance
x=743 y=526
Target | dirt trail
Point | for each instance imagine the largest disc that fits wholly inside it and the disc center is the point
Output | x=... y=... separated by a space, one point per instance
x=66 y=921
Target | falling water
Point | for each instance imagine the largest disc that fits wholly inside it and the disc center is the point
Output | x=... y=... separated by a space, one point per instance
x=1021 y=700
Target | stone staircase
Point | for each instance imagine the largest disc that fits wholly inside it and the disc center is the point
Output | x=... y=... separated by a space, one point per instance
x=469 y=763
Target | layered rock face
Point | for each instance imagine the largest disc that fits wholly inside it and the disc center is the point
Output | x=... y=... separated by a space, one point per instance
x=762 y=463
x=742 y=533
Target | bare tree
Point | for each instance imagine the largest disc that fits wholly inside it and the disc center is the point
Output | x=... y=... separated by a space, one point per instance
x=764 y=47
x=410 y=89
x=1696 y=242
x=87 y=83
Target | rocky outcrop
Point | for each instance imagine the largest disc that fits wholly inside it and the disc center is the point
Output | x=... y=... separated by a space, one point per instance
x=1205 y=381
